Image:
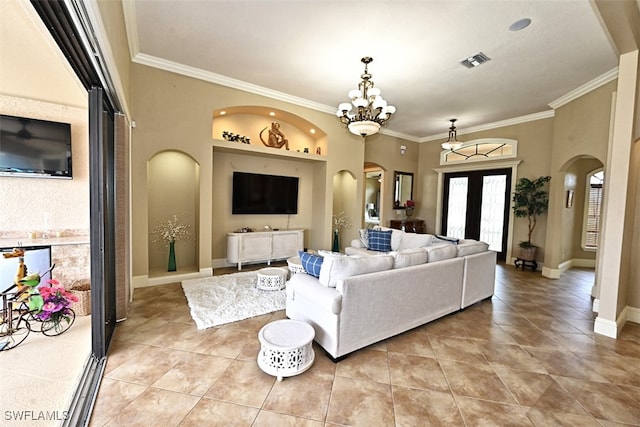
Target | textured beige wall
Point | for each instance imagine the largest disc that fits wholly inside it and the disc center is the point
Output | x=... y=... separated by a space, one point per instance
x=37 y=82
x=534 y=148
x=31 y=65
x=580 y=128
x=633 y=294
x=385 y=152
x=174 y=112
x=113 y=20
x=45 y=204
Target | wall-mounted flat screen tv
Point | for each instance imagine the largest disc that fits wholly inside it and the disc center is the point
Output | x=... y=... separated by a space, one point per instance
x=34 y=148
x=264 y=194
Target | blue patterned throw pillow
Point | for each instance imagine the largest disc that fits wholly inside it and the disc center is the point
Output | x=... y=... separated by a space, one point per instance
x=379 y=240
x=311 y=263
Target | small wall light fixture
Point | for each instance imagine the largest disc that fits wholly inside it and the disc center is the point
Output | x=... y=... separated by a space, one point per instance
x=403 y=149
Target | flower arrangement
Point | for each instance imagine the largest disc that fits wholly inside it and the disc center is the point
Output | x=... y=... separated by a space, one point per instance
x=341 y=221
x=171 y=230
x=410 y=204
x=56 y=302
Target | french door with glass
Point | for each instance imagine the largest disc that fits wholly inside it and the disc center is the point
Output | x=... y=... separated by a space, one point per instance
x=476 y=206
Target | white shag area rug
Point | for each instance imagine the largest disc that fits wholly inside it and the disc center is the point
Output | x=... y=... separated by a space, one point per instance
x=217 y=300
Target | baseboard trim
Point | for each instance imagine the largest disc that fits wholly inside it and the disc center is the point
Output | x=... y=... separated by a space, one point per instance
x=555 y=273
x=612 y=329
x=596 y=305
x=606 y=327
x=633 y=314
x=145 y=281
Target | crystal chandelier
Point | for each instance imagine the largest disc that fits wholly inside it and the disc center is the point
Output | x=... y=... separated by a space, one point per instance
x=452 y=143
x=372 y=110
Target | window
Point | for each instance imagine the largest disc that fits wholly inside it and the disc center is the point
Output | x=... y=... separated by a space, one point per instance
x=593 y=202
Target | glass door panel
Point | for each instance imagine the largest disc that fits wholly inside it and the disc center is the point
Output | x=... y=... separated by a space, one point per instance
x=476 y=206
x=491 y=212
x=457 y=207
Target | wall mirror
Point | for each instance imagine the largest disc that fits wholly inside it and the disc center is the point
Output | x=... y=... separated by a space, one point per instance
x=373 y=183
x=403 y=189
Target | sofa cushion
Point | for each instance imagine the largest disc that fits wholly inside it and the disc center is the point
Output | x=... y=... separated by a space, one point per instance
x=379 y=240
x=470 y=247
x=311 y=263
x=440 y=252
x=336 y=268
x=413 y=240
x=409 y=257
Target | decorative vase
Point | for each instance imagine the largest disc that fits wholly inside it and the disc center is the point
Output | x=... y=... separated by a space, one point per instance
x=172 y=256
x=409 y=210
x=336 y=241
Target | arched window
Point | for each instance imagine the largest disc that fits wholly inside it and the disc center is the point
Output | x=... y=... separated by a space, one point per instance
x=593 y=202
x=479 y=150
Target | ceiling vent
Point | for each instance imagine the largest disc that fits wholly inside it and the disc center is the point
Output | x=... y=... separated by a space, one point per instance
x=475 y=60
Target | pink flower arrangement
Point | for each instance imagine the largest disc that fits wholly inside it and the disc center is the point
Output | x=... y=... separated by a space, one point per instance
x=57 y=302
x=410 y=204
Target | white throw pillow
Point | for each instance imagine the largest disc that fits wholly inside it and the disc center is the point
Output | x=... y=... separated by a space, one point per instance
x=409 y=257
x=336 y=268
x=413 y=240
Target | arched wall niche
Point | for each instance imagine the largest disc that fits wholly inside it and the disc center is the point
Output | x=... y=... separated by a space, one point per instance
x=253 y=122
x=173 y=189
x=345 y=192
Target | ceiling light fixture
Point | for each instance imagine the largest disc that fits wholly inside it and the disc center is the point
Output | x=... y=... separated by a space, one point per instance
x=372 y=111
x=520 y=24
x=452 y=143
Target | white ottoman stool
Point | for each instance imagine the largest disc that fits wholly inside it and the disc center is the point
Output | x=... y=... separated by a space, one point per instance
x=271 y=279
x=286 y=348
x=295 y=266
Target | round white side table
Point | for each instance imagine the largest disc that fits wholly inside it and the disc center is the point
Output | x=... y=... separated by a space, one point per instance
x=295 y=265
x=286 y=348
x=271 y=279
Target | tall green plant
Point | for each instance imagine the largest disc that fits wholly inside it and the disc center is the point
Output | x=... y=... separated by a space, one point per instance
x=530 y=201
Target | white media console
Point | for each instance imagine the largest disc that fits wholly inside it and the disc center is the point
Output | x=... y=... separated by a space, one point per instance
x=263 y=246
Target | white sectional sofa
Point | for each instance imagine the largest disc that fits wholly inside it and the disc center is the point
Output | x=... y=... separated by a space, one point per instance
x=368 y=296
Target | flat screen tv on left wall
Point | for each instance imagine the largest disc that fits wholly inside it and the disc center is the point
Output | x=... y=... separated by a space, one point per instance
x=35 y=148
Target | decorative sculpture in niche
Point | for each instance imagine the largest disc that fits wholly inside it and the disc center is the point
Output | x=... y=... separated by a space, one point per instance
x=276 y=137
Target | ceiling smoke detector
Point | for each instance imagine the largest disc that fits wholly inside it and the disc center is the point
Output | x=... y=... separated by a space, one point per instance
x=475 y=60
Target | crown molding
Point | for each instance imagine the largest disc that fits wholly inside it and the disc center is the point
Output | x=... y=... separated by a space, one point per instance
x=130 y=26
x=197 y=73
x=502 y=123
x=585 y=88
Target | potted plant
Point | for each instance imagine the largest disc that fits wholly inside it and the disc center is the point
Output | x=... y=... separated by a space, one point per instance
x=530 y=201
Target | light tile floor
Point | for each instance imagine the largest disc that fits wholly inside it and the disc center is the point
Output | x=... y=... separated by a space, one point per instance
x=39 y=377
x=526 y=357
